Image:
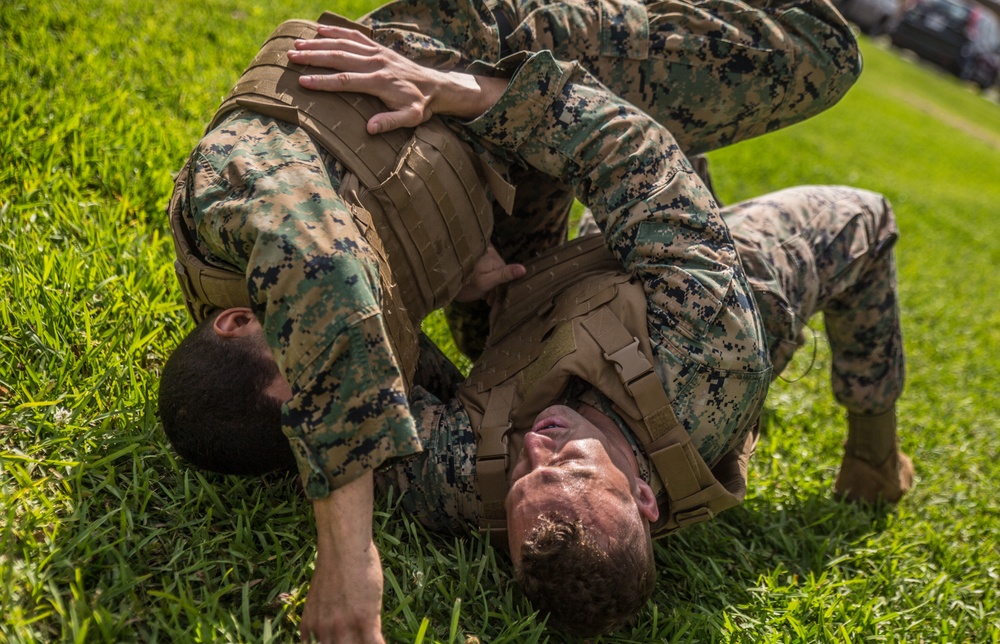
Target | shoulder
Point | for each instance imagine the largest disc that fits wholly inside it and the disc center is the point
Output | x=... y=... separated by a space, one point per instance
x=252 y=140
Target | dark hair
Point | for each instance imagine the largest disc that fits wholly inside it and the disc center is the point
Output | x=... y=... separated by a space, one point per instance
x=214 y=406
x=585 y=588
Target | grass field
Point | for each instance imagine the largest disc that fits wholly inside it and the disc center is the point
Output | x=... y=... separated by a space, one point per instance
x=105 y=537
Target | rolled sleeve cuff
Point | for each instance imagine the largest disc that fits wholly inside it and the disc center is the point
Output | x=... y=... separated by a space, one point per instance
x=319 y=479
x=537 y=83
x=349 y=413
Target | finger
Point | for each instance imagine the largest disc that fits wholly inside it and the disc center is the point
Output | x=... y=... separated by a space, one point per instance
x=395 y=116
x=389 y=121
x=340 y=60
x=499 y=276
x=511 y=272
x=331 y=31
x=336 y=44
x=328 y=82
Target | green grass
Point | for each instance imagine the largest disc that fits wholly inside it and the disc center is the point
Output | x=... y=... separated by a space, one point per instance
x=105 y=537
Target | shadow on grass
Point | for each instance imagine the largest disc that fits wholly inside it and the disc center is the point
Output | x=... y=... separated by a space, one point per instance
x=714 y=571
x=261 y=533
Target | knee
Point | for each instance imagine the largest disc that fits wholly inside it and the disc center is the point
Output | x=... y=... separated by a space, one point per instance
x=879 y=219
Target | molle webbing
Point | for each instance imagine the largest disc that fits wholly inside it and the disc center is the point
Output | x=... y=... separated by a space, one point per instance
x=424 y=188
x=577 y=314
x=419 y=196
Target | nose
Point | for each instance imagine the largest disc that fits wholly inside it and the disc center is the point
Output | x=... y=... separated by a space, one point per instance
x=538 y=448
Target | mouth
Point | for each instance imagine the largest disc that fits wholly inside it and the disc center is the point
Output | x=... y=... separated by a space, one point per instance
x=554 y=416
x=548 y=424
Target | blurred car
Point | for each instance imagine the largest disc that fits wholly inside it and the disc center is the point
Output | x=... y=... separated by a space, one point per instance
x=961 y=37
x=873 y=17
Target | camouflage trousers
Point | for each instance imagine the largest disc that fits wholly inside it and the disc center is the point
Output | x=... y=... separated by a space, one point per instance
x=828 y=249
x=713 y=72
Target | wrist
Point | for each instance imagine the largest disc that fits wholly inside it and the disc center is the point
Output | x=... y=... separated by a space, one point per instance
x=466 y=96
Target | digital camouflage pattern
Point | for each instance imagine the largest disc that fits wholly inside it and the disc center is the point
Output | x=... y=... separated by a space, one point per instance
x=663 y=225
x=263 y=199
x=804 y=250
x=828 y=249
x=666 y=230
x=713 y=72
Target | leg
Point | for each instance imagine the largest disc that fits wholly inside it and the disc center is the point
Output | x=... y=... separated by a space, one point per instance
x=830 y=249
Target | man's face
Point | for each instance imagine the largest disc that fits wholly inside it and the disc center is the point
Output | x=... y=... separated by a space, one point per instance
x=579 y=465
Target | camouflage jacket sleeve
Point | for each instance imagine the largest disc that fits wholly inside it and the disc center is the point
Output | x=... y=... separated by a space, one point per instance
x=263 y=200
x=662 y=224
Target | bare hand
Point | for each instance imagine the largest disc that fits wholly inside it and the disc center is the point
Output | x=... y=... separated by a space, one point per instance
x=490 y=272
x=344 y=603
x=412 y=93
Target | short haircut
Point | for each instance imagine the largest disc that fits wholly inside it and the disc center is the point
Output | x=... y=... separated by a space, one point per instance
x=214 y=406
x=585 y=588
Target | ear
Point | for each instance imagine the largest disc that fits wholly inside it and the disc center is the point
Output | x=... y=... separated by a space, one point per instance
x=236 y=323
x=645 y=500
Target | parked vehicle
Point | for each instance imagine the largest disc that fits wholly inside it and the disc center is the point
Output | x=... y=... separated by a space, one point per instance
x=961 y=37
x=873 y=17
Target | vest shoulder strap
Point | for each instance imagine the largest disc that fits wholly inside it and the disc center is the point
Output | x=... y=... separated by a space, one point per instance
x=541 y=333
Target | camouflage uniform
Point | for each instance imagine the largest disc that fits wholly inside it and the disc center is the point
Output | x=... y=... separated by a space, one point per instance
x=713 y=72
x=263 y=199
x=804 y=250
x=828 y=249
x=661 y=223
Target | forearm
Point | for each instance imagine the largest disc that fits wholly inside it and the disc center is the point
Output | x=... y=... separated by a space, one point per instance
x=619 y=162
x=344 y=519
x=465 y=96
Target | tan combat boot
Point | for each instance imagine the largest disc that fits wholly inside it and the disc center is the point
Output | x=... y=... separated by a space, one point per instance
x=873 y=467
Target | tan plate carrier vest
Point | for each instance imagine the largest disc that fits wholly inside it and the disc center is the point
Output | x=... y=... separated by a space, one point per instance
x=421 y=197
x=577 y=314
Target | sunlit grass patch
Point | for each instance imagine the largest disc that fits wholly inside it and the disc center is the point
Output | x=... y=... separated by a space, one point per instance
x=105 y=536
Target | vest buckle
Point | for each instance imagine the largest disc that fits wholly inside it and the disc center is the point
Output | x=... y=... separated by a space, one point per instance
x=629 y=361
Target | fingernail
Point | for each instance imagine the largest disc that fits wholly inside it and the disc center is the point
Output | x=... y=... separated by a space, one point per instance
x=307 y=79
